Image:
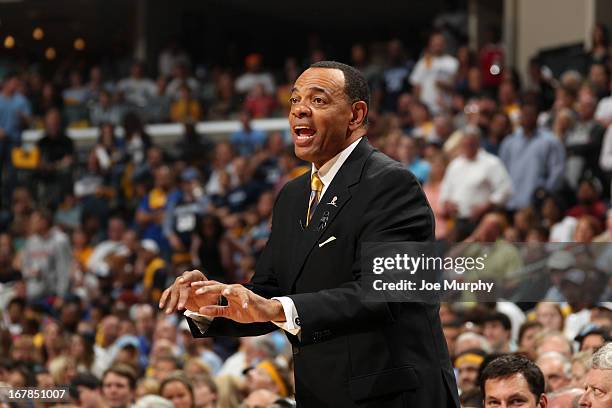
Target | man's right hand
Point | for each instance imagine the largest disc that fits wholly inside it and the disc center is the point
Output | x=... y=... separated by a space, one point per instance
x=180 y=295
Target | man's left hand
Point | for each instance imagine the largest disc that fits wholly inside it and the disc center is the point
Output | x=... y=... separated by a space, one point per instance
x=244 y=306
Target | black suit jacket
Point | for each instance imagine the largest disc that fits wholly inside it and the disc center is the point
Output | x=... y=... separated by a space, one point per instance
x=351 y=353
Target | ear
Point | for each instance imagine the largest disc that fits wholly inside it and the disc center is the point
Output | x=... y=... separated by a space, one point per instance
x=359 y=113
x=543 y=403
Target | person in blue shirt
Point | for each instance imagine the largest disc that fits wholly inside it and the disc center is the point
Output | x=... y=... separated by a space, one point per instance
x=408 y=155
x=247 y=140
x=534 y=158
x=15 y=111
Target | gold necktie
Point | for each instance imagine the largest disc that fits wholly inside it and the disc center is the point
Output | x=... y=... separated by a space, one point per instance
x=316 y=186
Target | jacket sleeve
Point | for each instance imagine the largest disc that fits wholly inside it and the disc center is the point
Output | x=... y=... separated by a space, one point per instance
x=398 y=211
x=264 y=283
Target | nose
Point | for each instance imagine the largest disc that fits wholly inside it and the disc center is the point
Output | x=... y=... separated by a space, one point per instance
x=584 y=400
x=300 y=110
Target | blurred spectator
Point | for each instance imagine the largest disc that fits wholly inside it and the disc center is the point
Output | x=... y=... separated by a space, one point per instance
x=57 y=156
x=14 y=113
x=432 y=188
x=408 y=155
x=104 y=111
x=205 y=391
x=581 y=364
x=185 y=108
x=583 y=142
x=473 y=184
x=153 y=270
x=137 y=89
x=118 y=386
x=151 y=210
x=549 y=314
x=181 y=78
x=593 y=337
x=549 y=340
x=182 y=215
x=556 y=369
x=527 y=335
x=247 y=140
x=468 y=365
x=85 y=389
x=600 y=44
x=171 y=57
x=606 y=236
x=211 y=250
x=471 y=341
x=259 y=103
x=534 y=159
x=269 y=376
x=589 y=201
x=77 y=93
x=253 y=76
x=395 y=76
x=46 y=258
x=491 y=58
x=567 y=397
x=97 y=84
x=260 y=398
x=434 y=73
x=178 y=390
x=497 y=329
x=226 y=100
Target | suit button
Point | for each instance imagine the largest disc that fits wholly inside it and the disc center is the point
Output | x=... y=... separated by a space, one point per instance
x=296 y=350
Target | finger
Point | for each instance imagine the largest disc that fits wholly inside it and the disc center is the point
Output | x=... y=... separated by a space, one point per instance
x=211 y=289
x=162 y=300
x=174 y=295
x=184 y=291
x=198 y=284
x=244 y=299
x=210 y=282
x=215 y=311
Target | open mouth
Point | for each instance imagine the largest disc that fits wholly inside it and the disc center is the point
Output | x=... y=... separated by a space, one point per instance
x=304 y=132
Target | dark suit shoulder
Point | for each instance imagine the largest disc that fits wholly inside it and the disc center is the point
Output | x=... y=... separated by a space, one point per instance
x=383 y=169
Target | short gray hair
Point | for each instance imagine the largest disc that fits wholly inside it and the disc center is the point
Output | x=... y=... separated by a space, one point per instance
x=602 y=359
x=554 y=355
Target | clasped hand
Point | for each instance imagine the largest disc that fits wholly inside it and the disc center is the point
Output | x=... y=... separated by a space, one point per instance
x=194 y=292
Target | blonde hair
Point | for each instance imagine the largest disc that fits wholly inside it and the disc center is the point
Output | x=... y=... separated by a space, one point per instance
x=229 y=392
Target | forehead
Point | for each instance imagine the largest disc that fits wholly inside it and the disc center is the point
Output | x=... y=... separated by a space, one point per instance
x=328 y=79
x=599 y=378
x=504 y=387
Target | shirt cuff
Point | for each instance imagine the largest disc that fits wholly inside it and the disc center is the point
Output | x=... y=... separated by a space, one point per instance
x=292 y=320
x=201 y=321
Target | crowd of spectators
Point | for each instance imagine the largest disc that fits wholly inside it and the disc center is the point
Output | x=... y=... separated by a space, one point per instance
x=89 y=239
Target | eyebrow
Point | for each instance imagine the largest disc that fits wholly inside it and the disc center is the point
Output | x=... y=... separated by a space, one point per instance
x=312 y=88
x=517 y=395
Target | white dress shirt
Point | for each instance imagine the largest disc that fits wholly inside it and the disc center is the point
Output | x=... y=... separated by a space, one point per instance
x=470 y=183
x=327 y=172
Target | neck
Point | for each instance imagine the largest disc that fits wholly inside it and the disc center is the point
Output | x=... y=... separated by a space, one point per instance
x=349 y=141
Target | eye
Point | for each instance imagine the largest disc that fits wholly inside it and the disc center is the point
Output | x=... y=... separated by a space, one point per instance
x=598 y=393
x=293 y=100
x=318 y=100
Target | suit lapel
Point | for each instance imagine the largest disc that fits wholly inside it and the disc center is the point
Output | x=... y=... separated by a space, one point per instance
x=336 y=196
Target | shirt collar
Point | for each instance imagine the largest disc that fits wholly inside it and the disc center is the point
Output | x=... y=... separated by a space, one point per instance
x=328 y=171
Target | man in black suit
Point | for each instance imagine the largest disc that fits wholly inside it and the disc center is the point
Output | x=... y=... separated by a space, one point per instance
x=347 y=352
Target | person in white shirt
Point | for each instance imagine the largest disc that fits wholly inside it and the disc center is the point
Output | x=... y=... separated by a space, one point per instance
x=434 y=73
x=474 y=182
x=253 y=76
x=137 y=89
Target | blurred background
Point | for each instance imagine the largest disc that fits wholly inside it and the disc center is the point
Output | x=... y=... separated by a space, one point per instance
x=140 y=139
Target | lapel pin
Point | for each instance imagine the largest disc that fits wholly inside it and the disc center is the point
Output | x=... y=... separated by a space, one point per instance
x=333 y=202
